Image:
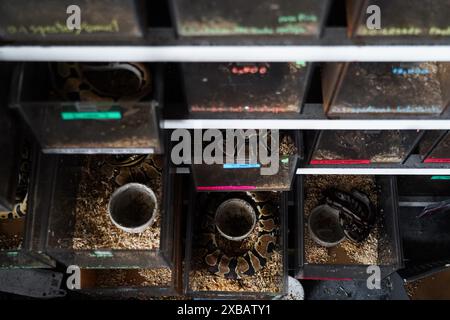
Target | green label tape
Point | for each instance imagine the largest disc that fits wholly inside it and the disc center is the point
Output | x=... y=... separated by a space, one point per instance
x=12 y=254
x=96 y=115
x=102 y=254
x=440 y=178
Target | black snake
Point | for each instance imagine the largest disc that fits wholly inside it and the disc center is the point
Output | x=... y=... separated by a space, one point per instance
x=252 y=257
x=357 y=214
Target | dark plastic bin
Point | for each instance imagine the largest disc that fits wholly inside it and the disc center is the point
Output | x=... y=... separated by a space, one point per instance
x=122 y=284
x=193 y=263
x=426 y=239
x=389 y=251
x=280 y=18
x=441 y=151
x=423 y=188
x=88 y=126
x=46 y=21
x=392 y=288
x=10 y=143
x=385 y=90
x=245 y=88
x=400 y=19
x=430 y=139
x=22 y=240
x=349 y=147
x=248 y=176
x=74 y=238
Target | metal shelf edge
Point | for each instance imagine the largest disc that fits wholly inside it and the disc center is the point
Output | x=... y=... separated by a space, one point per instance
x=225 y=53
x=374 y=171
x=307 y=124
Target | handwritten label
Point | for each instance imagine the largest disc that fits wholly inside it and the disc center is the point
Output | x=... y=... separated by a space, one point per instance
x=301 y=17
x=407 y=31
x=61 y=28
x=409 y=71
x=298 y=24
x=388 y=109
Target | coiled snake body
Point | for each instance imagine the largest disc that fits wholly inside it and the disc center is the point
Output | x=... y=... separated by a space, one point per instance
x=144 y=169
x=357 y=214
x=235 y=265
x=102 y=82
x=93 y=82
x=20 y=208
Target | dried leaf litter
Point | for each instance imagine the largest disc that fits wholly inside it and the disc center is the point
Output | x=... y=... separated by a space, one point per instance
x=346 y=252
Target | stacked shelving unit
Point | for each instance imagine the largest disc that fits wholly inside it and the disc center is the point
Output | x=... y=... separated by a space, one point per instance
x=424 y=154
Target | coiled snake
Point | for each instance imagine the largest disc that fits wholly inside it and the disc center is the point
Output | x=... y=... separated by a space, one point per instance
x=102 y=82
x=20 y=208
x=234 y=261
x=93 y=82
x=144 y=169
x=357 y=214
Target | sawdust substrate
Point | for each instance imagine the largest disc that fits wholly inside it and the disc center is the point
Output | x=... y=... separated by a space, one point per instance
x=132 y=142
x=10 y=240
x=287 y=145
x=93 y=227
x=412 y=288
x=268 y=280
x=160 y=277
x=365 y=253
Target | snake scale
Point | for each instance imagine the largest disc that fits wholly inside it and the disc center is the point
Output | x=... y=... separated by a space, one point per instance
x=144 y=169
x=20 y=207
x=248 y=259
x=92 y=82
x=102 y=82
x=357 y=214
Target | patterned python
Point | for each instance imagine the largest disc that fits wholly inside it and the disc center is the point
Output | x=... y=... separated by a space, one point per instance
x=20 y=208
x=248 y=262
x=81 y=83
x=102 y=82
x=142 y=169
